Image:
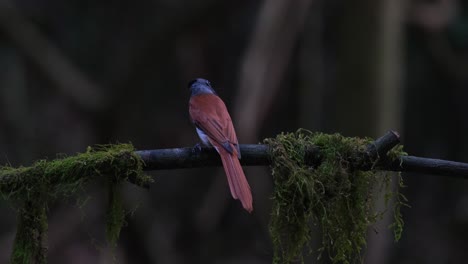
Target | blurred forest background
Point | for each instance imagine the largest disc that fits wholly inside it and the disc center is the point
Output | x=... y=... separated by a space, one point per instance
x=78 y=73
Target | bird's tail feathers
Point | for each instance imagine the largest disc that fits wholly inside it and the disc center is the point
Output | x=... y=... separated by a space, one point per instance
x=238 y=184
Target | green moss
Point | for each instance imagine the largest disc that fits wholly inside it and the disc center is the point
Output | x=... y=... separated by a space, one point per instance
x=333 y=196
x=115 y=214
x=29 y=245
x=32 y=188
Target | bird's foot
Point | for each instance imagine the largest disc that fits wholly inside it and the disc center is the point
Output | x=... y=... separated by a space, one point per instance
x=197 y=148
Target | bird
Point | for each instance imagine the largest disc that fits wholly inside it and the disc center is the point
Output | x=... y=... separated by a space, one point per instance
x=215 y=128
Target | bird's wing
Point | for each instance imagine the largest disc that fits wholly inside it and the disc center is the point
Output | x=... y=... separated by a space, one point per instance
x=209 y=113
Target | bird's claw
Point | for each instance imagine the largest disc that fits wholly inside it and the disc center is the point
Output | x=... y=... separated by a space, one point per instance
x=197 y=148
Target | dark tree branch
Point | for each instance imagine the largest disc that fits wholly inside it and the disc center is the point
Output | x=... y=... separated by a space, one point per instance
x=374 y=156
x=257 y=155
x=178 y=158
x=430 y=166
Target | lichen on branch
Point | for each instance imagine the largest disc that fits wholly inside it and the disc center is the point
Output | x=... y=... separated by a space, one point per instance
x=333 y=196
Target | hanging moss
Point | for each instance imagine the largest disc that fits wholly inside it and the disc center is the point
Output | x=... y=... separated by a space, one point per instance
x=31 y=188
x=115 y=214
x=31 y=235
x=332 y=196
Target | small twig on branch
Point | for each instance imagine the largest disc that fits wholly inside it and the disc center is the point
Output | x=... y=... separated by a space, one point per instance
x=382 y=145
x=257 y=155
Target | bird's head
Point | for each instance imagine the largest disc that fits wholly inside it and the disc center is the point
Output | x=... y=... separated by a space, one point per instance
x=200 y=86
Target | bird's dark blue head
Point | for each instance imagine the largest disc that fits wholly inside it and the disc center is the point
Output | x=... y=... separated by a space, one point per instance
x=200 y=86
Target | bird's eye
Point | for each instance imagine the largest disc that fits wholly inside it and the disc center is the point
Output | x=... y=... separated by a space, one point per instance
x=208 y=83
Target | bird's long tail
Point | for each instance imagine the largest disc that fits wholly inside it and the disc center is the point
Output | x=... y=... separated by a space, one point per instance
x=238 y=184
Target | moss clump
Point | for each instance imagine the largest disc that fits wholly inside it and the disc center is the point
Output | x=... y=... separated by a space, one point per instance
x=333 y=196
x=31 y=188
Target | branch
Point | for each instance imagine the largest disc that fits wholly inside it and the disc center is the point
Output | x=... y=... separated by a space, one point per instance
x=430 y=166
x=257 y=155
x=178 y=158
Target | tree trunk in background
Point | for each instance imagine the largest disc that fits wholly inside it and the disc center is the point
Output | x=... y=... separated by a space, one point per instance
x=312 y=90
x=369 y=90
x=266 y=60
x=390 y=73
x=389 y=110
x=356 y=109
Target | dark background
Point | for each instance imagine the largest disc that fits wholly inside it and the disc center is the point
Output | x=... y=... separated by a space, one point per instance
x=77 y=73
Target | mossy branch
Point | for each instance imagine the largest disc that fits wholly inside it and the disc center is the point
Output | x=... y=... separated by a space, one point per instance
x=304 y=162
x=32 y=188
x=16 y=180
x=335 y=193
x=258 y=155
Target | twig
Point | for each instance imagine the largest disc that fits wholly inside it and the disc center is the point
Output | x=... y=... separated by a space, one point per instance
x=385 y=143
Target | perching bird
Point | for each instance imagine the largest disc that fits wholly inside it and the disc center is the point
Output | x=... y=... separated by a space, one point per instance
x=214 y=127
